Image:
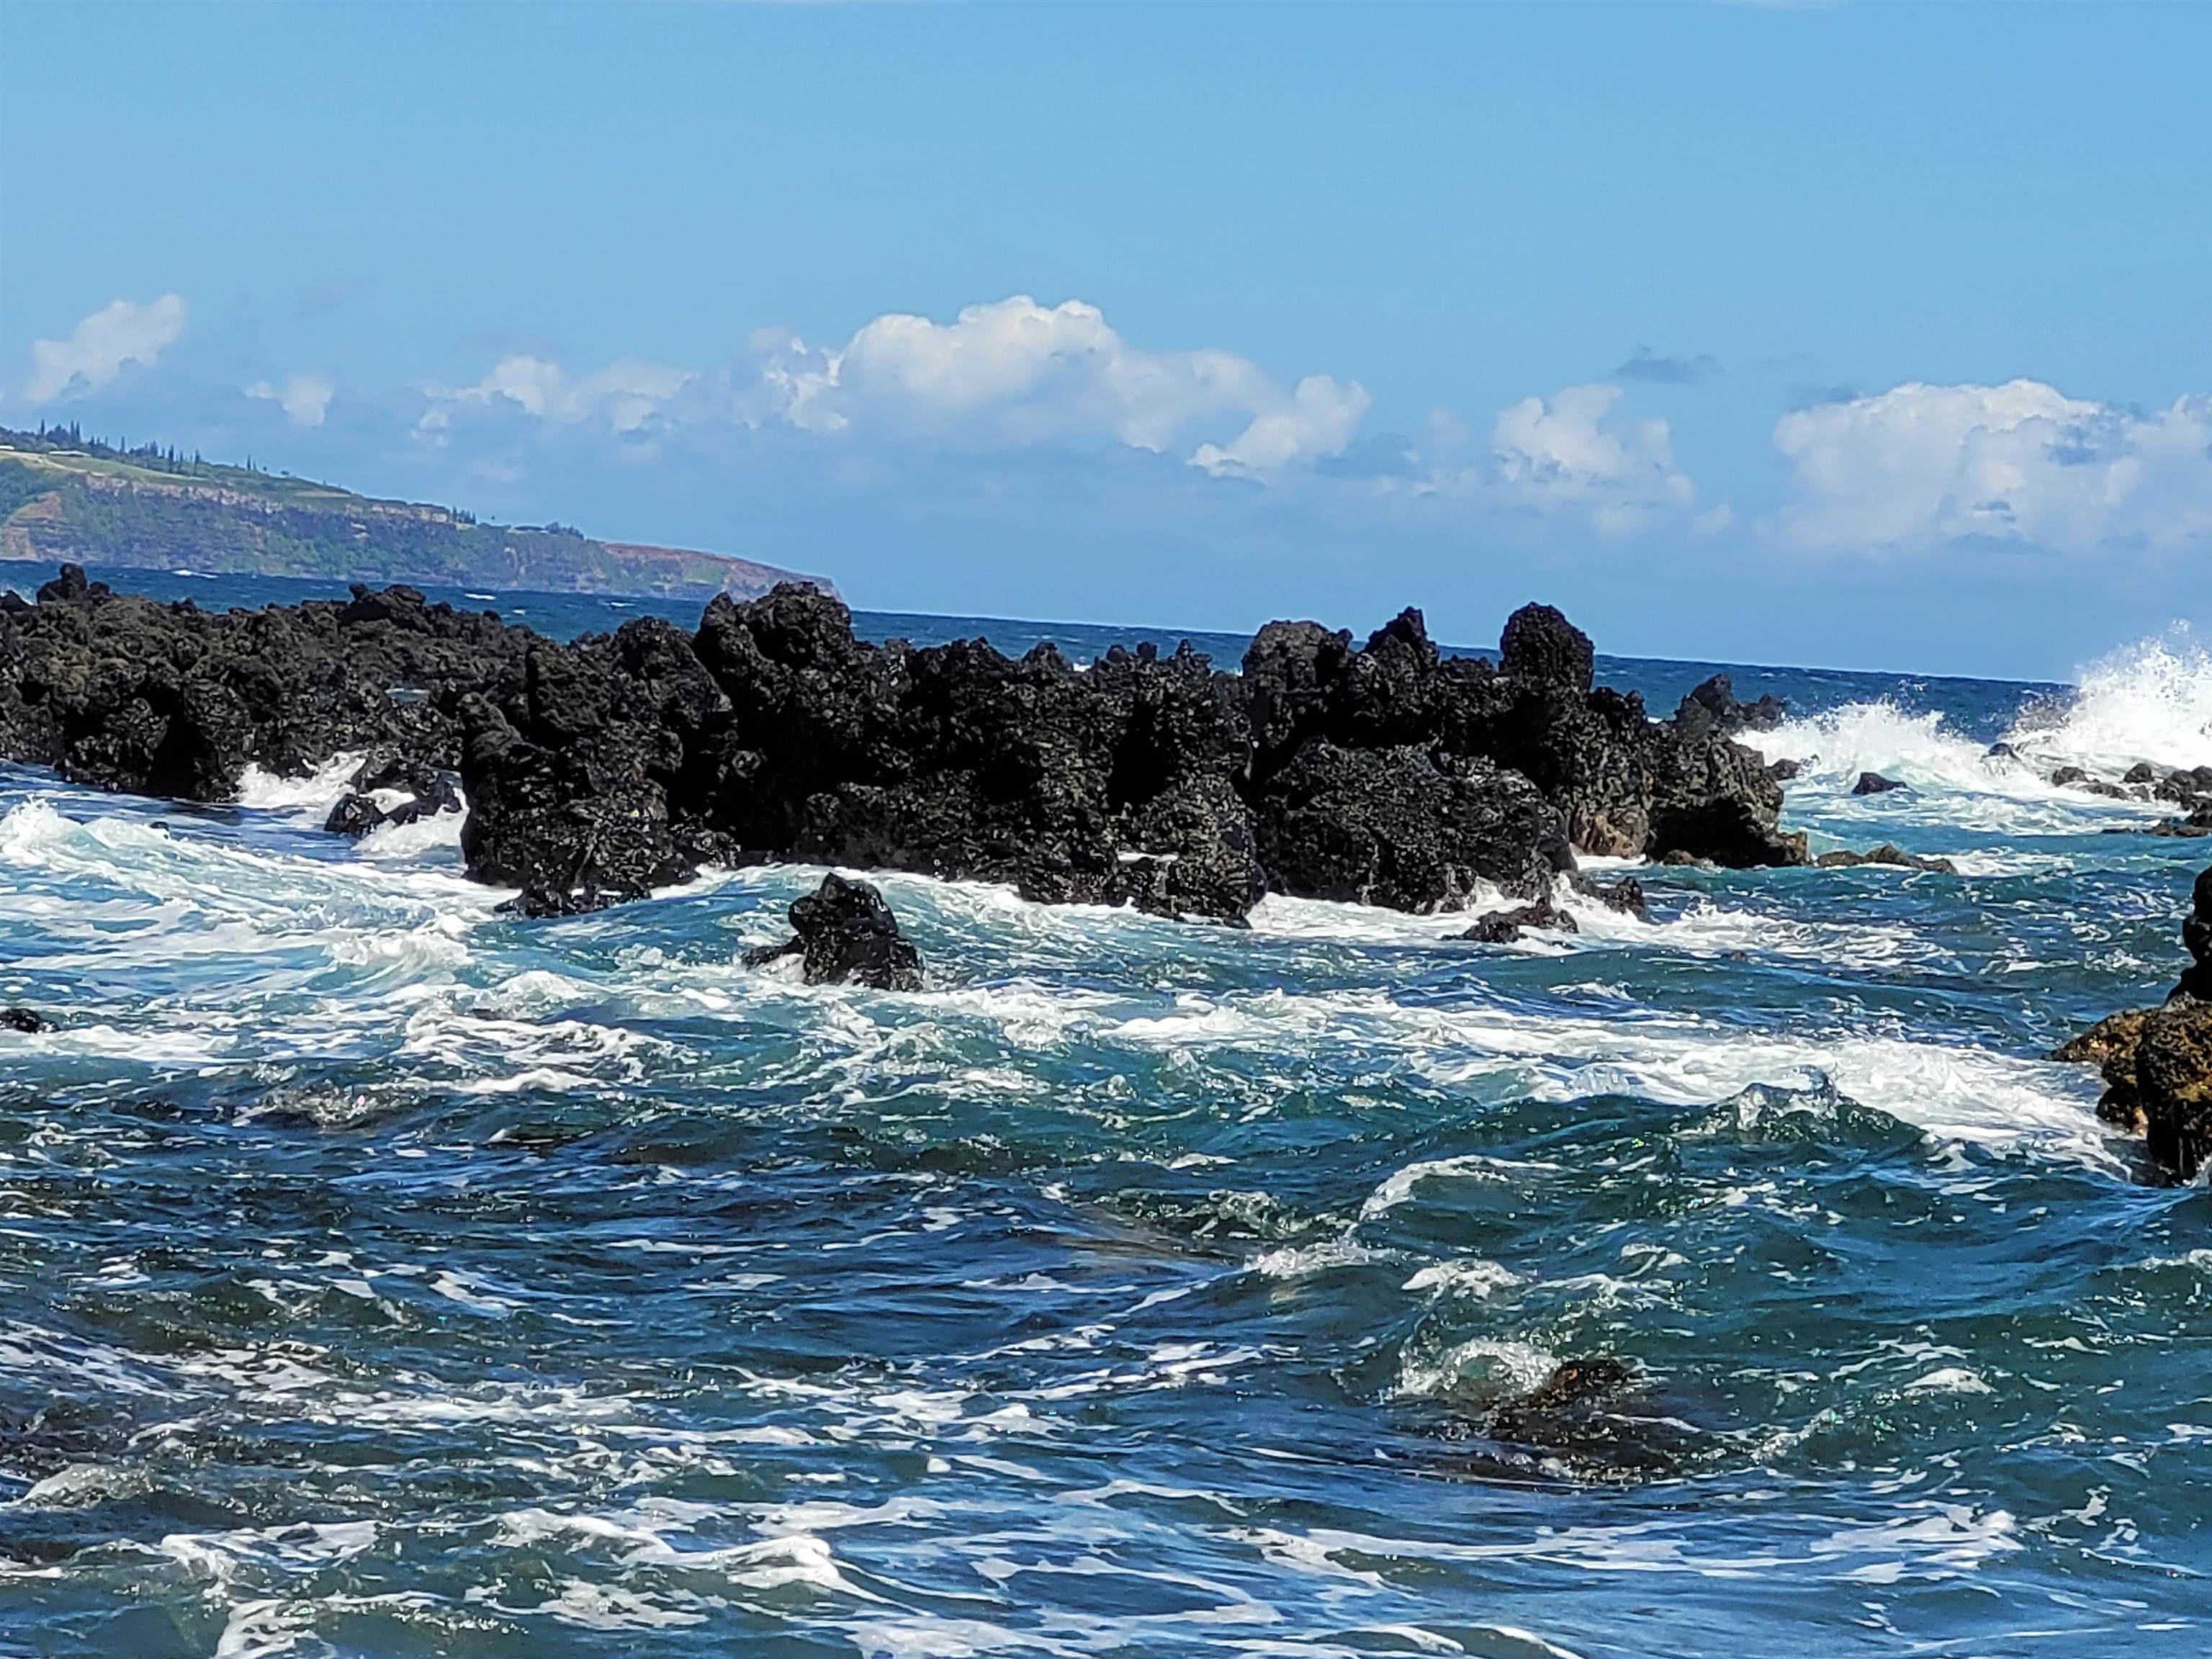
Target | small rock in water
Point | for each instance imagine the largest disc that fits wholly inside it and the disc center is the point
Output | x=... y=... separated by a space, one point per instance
x=1872 y=783
x=428 y=791
x=1625 y=895
x=1845 y=858
x=2141 y=772
x=27 y=1020
x=847 y=935
x=1785 y=771
x=2076 y=777
x=2188 y=788
x=1503 y=927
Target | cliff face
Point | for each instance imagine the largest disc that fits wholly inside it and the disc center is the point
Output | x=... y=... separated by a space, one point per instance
x=60 y=505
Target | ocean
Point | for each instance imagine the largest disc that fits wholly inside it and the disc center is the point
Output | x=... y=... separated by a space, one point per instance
x=384 y=1275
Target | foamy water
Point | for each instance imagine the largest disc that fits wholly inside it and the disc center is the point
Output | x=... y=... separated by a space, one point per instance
x=384 y=1274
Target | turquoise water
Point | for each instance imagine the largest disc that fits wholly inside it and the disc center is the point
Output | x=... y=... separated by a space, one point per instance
x=381 y=1275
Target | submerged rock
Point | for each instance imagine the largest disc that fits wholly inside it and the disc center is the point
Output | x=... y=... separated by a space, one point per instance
x=1845 y=858
x=1574 y=1388
x=1872 y=783
x=28 y=1021
x=1625 y=895
x=2196 y=826
x=2157 y=1062
x=847 y=935
x=1504 y=927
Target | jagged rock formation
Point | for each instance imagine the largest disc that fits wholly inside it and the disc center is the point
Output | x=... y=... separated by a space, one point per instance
x=2157 y=1062
x=845 y=934
x=601 y=768
x=1716 y=696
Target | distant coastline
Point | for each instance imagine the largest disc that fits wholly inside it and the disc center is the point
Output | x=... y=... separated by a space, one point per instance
x=64 y=497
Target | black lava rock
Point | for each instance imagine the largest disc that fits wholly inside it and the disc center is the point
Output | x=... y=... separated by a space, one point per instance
x=2157 y=1062
x=427 y=793
x=1504 y=927
x=1542 y=647
x=600 y=768
x=1625 y=895
x=846 y=934
x=1843 y=858
x=1716 y=696
x=1872 y=783
x=26 y=1020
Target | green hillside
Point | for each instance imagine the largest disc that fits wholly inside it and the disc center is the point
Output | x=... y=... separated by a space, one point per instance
x=65 y=497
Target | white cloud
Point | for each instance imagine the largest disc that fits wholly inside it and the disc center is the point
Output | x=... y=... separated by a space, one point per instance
x=623 y=396
x=1564 y=453
x=1920 y=464
x=304 y=397
x=1318 y=418
x=1015 y=371
x=96 y=350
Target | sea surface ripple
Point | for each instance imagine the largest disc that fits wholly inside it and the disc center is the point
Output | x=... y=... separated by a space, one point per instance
x=381 y=1274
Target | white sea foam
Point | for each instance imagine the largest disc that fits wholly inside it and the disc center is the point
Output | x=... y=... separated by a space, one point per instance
x=435 y=839
x=2149 y=702
x=1481 y=1372
x=1473 y=1275
x=310 y=796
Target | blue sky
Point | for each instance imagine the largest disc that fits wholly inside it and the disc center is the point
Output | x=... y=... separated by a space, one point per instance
x=1862 y=335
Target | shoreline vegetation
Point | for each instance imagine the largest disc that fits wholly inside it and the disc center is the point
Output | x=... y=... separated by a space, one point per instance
x=66 y=498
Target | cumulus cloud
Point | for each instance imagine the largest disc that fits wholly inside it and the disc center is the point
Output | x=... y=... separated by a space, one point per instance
x=624 y=397
x=1016 y=371
x=98 y=347
x=1567 y=451
x=1921 y=465
x=303 y=397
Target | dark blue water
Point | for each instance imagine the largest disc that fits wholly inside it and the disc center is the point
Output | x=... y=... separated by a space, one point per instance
x=382 y=1275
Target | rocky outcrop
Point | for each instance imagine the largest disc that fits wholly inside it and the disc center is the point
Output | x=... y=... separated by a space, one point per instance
x=1872 y=783
x=1626 y=784
x=845 y=934
x=599 y=770
x=2157 y=1062
x=119 y=692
